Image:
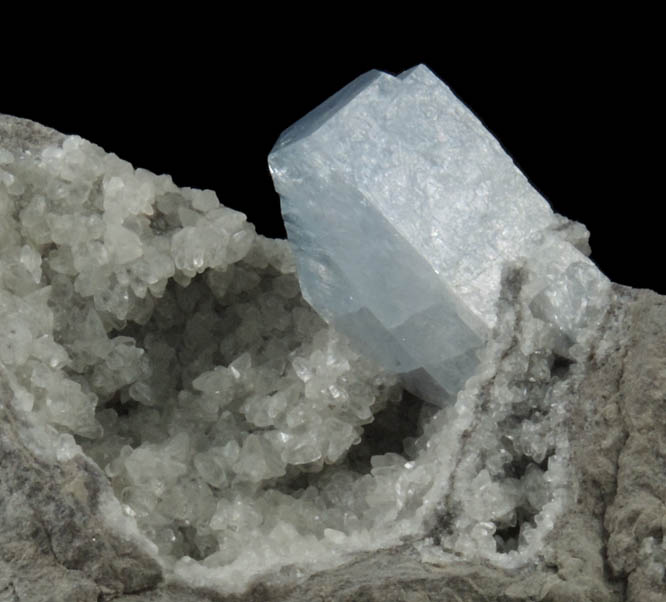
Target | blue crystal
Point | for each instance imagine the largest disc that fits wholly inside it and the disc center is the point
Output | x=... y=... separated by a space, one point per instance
x=402 y=210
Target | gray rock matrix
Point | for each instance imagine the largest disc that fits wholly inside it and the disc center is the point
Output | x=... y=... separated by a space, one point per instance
x=608 y=545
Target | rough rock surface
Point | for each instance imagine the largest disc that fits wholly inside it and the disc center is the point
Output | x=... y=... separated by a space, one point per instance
x=608 y=546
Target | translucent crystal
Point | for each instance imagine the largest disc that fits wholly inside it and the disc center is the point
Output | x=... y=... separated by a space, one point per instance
x=403 y=211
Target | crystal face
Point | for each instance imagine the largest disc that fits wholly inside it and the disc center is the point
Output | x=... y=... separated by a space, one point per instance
x=403 y=210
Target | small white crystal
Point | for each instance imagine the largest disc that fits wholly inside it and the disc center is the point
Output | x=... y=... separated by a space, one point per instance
x=236 y=515
x=203 y=200
x=257 y=460
x=337 y=537
x=211 y=466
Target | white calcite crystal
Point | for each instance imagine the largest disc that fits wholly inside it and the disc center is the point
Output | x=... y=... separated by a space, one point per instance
x=403 y=210
x=150 y=328
x=155 y=329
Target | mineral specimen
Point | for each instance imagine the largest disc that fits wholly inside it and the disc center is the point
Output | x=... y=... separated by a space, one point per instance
x=403 y=210
x=171 y=407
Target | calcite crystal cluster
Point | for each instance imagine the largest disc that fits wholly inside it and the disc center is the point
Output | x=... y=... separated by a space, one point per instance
x=155 y=329
x=149 y=328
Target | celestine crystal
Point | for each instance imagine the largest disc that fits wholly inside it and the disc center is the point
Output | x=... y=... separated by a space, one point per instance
x=151 y=337
x=403 y=210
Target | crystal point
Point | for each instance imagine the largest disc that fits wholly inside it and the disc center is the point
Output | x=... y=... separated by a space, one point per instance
x=403 y=211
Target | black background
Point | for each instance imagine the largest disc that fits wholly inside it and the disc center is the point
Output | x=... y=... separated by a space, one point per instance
x=579 y=122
